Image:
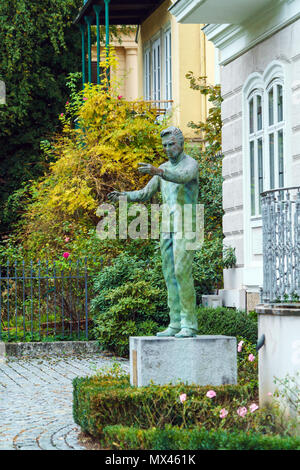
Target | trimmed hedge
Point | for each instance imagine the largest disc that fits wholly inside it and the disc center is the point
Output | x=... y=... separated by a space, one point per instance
x=174 y=438
x=108 y=399
x=227 y=321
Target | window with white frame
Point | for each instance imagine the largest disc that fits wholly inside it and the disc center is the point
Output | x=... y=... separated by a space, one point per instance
x=256 y=148
x=275 y=131
x=168 y=64
x=147 y=74
x=158 y=67
x=156 y=70
x=265 y=140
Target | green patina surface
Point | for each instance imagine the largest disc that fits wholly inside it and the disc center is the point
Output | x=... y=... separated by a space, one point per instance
x=177 y=180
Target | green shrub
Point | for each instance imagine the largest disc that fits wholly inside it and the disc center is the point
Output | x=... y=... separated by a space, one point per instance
x=227 y=321
x=36 y=337
x=175 y=438
x=108 y=399
x=131 y=300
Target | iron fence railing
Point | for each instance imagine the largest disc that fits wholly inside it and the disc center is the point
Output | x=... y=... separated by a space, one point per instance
x=45 y=299
x=281 y=245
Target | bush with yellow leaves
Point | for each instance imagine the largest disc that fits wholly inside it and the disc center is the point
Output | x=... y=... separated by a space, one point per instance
x=90 y=159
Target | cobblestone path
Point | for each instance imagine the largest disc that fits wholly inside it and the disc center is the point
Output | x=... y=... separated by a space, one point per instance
x=36 y=400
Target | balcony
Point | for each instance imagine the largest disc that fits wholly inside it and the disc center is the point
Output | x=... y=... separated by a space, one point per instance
x=281 y=245
x=160 y=107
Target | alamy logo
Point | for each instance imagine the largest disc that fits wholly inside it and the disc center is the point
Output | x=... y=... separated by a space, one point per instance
x=181 y=222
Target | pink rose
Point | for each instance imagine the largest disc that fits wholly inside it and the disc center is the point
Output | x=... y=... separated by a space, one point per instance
x=120 y=97
x=67 y=102
x=182 y=397
x=67 y=239
x=211 y=394
x=253 y=407
x=66 y=255
x=251 y=357
x=84 y=98
x=223 y=413
x=240 y=345
x=242 y=411
x=62 y=114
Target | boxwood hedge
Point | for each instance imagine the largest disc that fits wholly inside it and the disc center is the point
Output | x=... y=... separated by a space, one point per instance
x=175 y=438
x=108 y=399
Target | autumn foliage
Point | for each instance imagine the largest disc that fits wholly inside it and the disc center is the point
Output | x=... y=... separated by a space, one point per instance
x=97 y=155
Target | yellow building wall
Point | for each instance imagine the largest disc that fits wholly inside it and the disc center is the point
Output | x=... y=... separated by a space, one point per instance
x=190 y=52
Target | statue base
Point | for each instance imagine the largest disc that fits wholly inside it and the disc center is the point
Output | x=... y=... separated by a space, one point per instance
x=202 y=360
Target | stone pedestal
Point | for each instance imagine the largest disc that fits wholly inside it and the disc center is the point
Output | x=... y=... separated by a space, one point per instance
x=202 y=360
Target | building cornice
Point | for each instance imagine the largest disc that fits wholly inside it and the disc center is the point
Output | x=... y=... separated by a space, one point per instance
x=235 y=40
x=181 y=9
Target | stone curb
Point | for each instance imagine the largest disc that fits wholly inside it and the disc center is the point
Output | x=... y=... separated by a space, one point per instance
x=2 y=352
x=57 y=347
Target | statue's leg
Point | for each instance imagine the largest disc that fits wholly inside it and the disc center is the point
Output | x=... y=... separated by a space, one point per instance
x=183 y=261
x=167 y=256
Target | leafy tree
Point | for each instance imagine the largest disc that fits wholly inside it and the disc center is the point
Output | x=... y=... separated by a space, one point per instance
x=211 y=128
x=39 y=46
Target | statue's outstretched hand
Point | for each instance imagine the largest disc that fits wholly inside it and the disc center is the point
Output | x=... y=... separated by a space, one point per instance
x=148 y=169
x=114 y=196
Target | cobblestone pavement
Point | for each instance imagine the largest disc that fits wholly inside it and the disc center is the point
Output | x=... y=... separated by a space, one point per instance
x=36 y=400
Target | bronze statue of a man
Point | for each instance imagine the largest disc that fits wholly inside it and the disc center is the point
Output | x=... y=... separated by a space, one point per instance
x=178 y=181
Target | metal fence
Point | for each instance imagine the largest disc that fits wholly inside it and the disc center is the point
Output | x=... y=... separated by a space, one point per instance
x=45 y=299
x=281 y=245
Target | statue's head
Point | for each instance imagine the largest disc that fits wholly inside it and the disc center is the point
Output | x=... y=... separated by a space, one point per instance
x=173 y=142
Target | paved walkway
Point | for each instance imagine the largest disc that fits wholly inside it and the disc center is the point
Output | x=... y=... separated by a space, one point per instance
x=36 y=400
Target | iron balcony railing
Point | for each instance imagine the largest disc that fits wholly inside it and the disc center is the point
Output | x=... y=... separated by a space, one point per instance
x=161 y=107
x=281 y=245
x=45 y=299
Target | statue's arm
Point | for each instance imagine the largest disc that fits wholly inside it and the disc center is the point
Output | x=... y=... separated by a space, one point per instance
x=181 y=175
x=146 y=193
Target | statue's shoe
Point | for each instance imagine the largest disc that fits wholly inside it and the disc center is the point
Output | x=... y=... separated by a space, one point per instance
x=168 y=332
x=186 y=333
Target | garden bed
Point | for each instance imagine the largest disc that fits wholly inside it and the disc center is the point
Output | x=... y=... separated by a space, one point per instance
x=113 y=414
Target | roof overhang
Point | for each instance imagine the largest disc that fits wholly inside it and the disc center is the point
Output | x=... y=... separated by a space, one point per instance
x=121 y=12
x=217 y=11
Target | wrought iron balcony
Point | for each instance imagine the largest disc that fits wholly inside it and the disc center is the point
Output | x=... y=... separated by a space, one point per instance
x=281 y=245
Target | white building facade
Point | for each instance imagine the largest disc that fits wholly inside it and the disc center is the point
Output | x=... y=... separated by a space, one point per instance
x=259 y=58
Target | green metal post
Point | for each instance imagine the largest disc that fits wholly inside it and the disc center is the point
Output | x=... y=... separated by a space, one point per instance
x=88 y=20
x=82 y=28
x=97 y=10
x=107 y=33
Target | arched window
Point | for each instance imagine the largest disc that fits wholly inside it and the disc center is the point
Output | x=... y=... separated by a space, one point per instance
x=256 y=147
x=265 y=133
x=275 y=134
